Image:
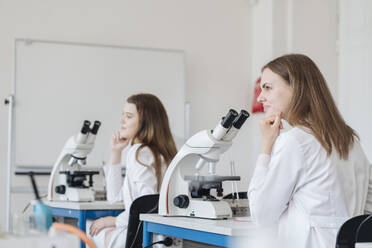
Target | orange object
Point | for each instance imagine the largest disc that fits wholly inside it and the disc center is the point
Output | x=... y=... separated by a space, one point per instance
x=76 y=231
x=257 y=107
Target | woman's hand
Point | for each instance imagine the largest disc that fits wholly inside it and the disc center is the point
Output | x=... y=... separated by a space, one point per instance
x=117 y=146
x=270 y=127
x=100 y=224
x=118 y=143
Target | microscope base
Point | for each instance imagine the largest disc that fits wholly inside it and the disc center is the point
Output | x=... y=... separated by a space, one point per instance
x=76 y=195
x=202 y=209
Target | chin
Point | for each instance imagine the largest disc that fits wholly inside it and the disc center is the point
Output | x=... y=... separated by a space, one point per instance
x=123 y=135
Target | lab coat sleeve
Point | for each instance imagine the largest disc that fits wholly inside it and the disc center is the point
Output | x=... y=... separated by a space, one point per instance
x=122 y=219
x=274 y=180
x=114 y=183
x=144 y=180
x=145 y=187
x=368 y=206
x=143 y=176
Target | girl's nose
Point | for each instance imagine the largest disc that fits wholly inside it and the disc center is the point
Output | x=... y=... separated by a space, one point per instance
x=260 y=98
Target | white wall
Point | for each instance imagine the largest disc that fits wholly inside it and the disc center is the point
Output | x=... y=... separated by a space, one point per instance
x=315 y=33
x=226 y=44
x=355 y=68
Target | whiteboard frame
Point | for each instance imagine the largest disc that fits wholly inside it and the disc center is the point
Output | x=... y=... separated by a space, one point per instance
x=11 y=166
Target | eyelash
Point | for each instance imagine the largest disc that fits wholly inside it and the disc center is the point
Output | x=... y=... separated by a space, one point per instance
x=128 y=116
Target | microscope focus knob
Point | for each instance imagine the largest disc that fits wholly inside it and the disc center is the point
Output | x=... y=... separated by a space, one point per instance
x=181 y=201
x=61 y=189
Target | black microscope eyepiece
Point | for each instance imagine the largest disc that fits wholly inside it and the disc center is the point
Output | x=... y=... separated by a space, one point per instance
x=86 y=127
x=240 y=119
x=95 y=128
x=229 y=118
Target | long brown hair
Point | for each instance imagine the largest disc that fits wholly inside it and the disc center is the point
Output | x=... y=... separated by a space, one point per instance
x=154 y=131
x=312 y=105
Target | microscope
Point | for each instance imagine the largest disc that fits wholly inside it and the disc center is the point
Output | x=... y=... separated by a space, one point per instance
x=184 y=190
x=67 y=180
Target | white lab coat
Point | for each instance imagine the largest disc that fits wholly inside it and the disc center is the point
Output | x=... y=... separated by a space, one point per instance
x=306 y=193
x=139 y=180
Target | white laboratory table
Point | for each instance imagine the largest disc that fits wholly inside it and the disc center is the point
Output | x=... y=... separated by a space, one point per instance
x=40 y=240
x=214 y=232
x=95 y=205
x=85 y=210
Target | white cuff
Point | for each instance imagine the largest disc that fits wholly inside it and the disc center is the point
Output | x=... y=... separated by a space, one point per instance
x=263 y=160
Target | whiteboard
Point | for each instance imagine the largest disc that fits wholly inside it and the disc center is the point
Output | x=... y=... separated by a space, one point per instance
x=58 y=85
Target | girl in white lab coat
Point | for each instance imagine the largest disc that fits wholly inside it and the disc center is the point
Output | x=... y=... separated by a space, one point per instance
x=145 y=127
x=311 y=179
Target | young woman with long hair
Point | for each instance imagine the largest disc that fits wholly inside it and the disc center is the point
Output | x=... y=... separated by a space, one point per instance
x=145 y=127
x=312 y=178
